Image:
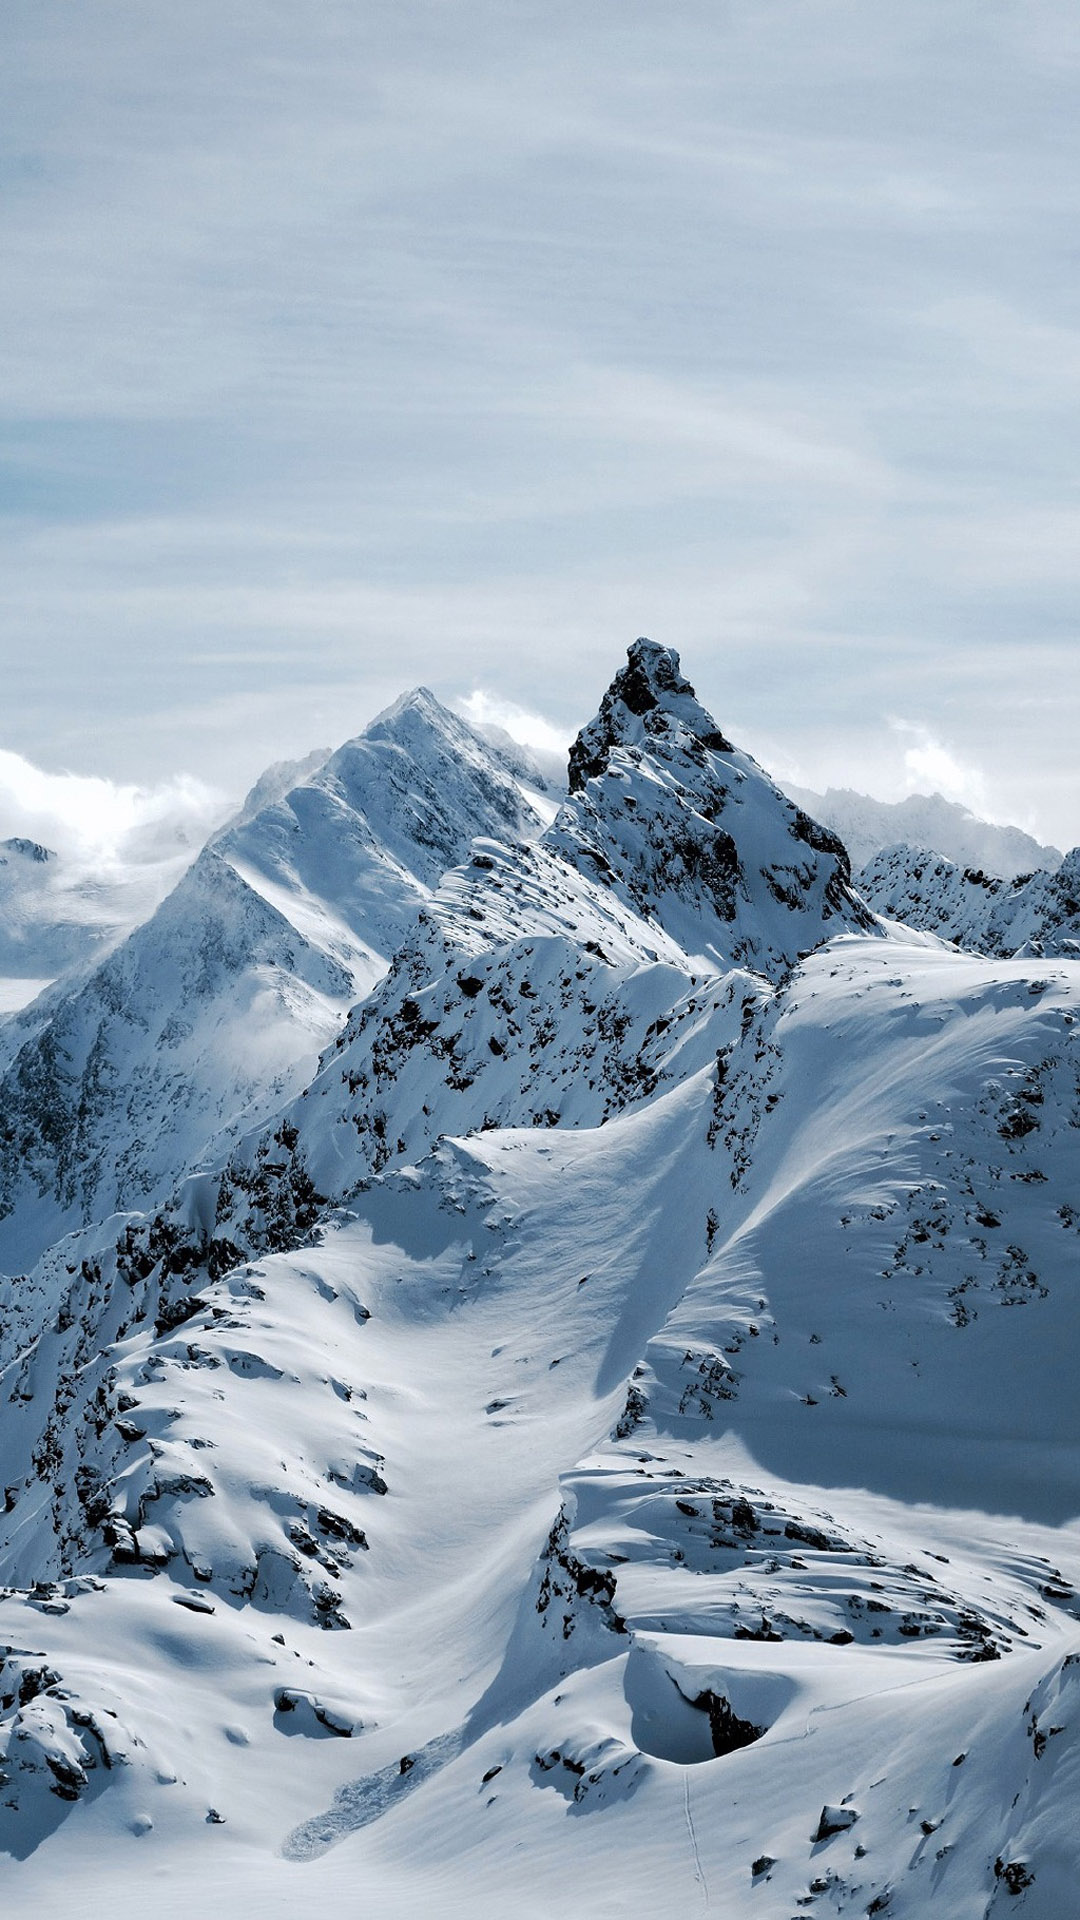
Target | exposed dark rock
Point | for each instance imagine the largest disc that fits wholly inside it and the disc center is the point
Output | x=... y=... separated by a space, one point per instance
x=834 y=1820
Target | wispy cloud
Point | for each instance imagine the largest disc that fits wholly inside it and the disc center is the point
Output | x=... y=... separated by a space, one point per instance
x=932 y=767
x=483 y=708
x=100 y=825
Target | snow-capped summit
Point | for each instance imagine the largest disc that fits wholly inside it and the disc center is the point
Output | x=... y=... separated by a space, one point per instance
x=351 y=852
x=212 y=1014
x=426 y=786
x=675 y=884
x=649 y=705
x=693 y=834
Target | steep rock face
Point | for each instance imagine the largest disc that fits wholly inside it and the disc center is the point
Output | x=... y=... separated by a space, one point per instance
x=1037 y=913
x=648 y=704
x=208 y=1017
x=692 y=834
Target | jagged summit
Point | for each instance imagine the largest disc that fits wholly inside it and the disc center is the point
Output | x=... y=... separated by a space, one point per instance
x=677 y=876
x=692 y=834
x=648 y=704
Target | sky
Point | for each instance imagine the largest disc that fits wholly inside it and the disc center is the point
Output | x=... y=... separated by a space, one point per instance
x=352 y=344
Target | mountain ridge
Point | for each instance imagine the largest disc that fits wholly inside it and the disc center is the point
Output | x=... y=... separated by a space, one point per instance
x=637 y=909
x=1037 y=913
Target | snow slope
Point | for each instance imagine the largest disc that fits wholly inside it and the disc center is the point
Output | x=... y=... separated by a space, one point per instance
x=664 y=1500
x=780 y=1535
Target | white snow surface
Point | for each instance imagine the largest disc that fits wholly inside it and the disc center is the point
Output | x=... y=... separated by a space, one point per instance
x=648 y=1481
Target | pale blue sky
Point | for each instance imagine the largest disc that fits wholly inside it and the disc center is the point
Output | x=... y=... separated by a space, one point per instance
x=344 y=346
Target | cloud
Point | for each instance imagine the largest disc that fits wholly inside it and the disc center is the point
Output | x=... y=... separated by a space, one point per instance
x=99 y=824
x=931 y=766
x=483 y=709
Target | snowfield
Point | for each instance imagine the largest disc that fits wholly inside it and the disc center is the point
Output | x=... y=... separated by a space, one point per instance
x=610 y=1443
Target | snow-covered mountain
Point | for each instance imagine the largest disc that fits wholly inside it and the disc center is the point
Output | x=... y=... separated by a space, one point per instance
x=645 y=1475
x=566 y=980
x=866 y=825
x=1037 y=913
x=210 y=1014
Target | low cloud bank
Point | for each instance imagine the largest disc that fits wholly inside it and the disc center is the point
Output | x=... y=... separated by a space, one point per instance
x=97 y=824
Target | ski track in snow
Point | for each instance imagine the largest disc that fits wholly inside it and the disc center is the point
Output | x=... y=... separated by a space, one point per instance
x=699 y=1872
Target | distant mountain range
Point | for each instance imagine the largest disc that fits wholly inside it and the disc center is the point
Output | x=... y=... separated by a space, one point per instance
x=57 y=917
x=866 y=826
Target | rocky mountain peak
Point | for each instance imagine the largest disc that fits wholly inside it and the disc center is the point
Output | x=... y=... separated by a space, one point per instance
x=649 y=703
x=692 y=834
x=26 y=849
